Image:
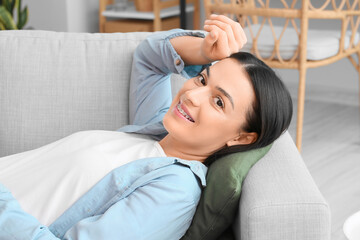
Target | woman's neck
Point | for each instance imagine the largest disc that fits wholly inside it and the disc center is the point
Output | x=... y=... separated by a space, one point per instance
x=174 y=148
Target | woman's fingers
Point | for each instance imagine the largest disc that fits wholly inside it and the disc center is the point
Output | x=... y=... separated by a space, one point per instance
x=218 y=42
x=238 y=32
x=229 y=33
x=237 y=29
x=212 y=36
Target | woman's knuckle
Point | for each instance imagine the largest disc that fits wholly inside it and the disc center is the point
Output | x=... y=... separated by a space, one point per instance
x=228 y=28
x=223 y=34
x=220 y=24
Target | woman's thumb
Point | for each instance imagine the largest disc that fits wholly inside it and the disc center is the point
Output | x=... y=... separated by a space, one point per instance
x=212 y=39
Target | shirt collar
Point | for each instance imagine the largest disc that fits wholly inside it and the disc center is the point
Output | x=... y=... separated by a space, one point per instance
x=198 y=168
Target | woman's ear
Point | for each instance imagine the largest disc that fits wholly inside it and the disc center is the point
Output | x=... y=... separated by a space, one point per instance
x=243 y=139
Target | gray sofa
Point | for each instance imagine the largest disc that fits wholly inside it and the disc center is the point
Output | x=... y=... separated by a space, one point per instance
x=53 y=84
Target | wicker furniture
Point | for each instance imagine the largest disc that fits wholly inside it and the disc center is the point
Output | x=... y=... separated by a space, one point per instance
x=165 y=16
x=278 y=33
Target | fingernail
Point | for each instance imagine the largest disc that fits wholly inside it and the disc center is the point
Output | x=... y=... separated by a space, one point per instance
x=212 y=34
x=213 y=15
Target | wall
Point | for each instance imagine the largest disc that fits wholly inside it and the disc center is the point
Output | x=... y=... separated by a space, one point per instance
x=47 y=14
x=63 y=15
x=82 y=15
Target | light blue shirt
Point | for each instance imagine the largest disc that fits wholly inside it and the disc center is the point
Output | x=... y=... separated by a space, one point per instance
x=152 y=198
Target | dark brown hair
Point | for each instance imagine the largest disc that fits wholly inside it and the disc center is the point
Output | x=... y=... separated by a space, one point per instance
x=271 y=112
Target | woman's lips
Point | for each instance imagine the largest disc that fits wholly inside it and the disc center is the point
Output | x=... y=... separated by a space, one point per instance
x=183 y=112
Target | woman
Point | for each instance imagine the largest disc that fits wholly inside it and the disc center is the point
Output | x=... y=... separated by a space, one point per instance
x=111 y=185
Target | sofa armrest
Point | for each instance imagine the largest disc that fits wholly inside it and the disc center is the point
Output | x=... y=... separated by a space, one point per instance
x=280 y=199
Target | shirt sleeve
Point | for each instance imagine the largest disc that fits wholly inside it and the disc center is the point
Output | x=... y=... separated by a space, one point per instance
x=154 y=61
x=17 y=224
x=161 y=208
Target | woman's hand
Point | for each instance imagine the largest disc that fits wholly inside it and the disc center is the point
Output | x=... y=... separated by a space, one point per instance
x=225 y=37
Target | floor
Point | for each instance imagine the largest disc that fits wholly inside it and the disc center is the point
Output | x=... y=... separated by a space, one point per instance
x=331 y=150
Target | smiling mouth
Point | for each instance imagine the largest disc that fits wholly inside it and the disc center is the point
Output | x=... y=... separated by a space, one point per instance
x=183 y=113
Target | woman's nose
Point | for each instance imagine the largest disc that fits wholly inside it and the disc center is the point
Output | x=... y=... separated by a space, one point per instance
x=195 y=96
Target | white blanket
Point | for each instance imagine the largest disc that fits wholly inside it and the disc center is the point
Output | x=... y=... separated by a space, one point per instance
x=48 y=180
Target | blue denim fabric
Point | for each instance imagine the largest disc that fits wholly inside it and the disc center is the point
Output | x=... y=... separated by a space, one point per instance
x=152 y=198
x=150 y=88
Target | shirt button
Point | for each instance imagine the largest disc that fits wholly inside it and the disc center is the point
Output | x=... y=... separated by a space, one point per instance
x=178 y=62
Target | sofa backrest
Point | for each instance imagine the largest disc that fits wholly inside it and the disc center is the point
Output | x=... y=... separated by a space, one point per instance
x=53 y=84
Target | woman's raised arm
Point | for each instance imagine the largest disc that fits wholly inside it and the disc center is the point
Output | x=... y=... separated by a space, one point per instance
x=155 y=59
x=225 y=37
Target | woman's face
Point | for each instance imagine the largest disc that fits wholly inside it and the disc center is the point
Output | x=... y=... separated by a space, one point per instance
x=209 y=110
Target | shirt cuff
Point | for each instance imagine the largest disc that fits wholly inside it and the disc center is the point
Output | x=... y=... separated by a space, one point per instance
x=188 y=71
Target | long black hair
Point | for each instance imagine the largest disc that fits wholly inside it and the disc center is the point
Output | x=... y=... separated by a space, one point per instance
x=271 y=111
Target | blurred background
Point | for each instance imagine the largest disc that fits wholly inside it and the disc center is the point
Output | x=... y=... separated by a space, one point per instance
x=331 y=135
x=83 y=16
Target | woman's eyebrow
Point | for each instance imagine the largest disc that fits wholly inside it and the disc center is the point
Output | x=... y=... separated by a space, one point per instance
x=226 y=94
x=207 y=71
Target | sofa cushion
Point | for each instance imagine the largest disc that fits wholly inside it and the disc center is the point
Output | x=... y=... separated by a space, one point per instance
x=53 y=84
x=219 y=201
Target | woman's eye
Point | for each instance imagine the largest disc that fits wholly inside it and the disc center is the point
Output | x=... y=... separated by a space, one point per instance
x=201 y=79
x=219 y=102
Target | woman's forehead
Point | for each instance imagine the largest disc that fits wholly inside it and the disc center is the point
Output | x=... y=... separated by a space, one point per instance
x=226 y=69
x=227 y=63
x=229 y=74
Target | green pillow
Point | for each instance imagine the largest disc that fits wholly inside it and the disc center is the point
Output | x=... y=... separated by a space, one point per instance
x=219 y=201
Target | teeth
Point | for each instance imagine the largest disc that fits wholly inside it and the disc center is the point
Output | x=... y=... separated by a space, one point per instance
x=184 y=113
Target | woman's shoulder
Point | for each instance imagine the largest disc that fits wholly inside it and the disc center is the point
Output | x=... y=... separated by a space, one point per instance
x=180 y=178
